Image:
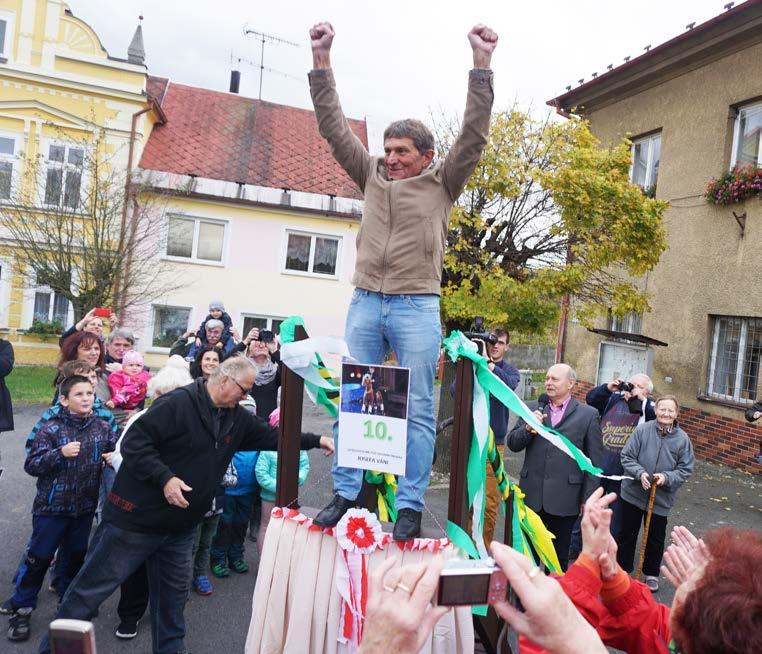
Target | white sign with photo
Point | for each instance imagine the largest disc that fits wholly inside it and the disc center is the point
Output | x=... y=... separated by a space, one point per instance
x=373 y=417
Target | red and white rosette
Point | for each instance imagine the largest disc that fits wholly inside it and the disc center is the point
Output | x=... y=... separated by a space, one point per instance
x=358 y=534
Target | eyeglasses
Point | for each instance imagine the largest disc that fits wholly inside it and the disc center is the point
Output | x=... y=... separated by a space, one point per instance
x=245 y=391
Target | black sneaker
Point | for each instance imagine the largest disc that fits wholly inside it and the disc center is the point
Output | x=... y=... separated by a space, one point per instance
x=127 y=630
x=408 y=525
x=19 y=625
x=7 y=608
x=331 y=514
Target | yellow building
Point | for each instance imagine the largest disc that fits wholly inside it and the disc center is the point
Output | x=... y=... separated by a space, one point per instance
x=265 y=222
x=58 y=86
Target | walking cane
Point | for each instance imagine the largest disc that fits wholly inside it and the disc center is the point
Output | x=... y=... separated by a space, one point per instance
x=649 y=511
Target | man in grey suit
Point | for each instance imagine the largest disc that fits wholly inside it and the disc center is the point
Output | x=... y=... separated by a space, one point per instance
x=554 y=485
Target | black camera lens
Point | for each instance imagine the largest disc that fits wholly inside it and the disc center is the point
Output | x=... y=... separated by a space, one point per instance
x=626 y=387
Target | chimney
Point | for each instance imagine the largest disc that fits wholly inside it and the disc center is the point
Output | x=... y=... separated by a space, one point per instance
x=235 y=80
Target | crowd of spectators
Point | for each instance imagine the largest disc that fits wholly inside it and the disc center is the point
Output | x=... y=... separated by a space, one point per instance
x=102 y=387
x=100 y=392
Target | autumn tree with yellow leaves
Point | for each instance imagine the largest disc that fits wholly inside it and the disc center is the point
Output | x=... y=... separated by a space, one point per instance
x=548 y=212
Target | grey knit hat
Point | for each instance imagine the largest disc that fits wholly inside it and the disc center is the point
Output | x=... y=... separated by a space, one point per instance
x=216 y=305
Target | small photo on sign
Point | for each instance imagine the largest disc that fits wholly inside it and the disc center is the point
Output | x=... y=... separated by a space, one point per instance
x=375 y=390
x=373 y=417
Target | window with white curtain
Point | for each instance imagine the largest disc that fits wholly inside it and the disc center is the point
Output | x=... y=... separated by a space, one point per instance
x=646 y=152
x=736 y=349
x=196 y=239
x=747 y=136
x=312 y=254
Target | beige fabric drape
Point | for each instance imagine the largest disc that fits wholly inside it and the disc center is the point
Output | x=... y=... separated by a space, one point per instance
x=296 y=606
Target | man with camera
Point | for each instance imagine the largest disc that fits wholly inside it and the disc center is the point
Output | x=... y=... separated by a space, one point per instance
x=622 y=405
x=400 y=251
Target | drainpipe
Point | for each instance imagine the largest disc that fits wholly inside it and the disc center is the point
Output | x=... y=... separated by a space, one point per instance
x=117 y=291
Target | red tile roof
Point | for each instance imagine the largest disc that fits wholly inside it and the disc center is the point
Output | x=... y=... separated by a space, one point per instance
x=229 y=137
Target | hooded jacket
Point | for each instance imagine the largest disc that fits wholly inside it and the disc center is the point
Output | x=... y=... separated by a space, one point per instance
x=182 y=435
x=68 y=486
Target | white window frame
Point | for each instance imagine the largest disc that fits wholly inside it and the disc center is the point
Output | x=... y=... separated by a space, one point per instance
x=158 y=348
x=194 y=247
x=738 y=380
x=6 y=285
x=14 y=160
x=64 y=166
x=631 y=323
x=6 y=47
x=261 y=316
x=30 y=297
x=740 y=112
x=313 y=235
x=649 y=138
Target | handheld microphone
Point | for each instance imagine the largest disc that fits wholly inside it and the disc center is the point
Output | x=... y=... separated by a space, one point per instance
x=543 y=401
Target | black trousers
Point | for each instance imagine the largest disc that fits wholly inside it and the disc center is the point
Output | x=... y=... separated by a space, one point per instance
x=629 y=528
x=561 y=527
x=134 y=595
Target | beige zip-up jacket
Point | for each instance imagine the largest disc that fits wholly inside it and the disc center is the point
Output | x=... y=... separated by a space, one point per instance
x=403 y=232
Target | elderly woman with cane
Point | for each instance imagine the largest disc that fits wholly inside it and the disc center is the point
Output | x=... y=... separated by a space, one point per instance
x=659 y=455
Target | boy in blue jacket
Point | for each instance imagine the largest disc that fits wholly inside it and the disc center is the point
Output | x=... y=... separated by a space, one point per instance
x=67 y=457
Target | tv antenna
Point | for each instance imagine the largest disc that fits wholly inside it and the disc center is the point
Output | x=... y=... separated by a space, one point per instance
x=265 y=38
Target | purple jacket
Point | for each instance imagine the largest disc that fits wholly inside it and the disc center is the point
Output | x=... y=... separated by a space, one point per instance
x=68 y=486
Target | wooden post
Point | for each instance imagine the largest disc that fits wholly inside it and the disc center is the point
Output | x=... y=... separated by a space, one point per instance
x=487 y=628
x=457 y=506
x=290 y=433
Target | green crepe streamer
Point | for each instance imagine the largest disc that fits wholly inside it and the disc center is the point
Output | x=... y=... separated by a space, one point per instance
x=320 y=396
x=457 y=345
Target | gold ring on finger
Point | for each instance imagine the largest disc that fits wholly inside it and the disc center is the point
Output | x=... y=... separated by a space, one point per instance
x=402 y=586
x=534 y=572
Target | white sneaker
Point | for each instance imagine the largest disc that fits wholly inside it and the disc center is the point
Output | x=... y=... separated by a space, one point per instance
x=652 y=583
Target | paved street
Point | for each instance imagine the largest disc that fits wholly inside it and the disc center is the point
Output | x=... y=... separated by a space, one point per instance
x=715 y=496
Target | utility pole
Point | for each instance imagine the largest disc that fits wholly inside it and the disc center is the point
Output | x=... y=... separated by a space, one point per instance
x=265 y=38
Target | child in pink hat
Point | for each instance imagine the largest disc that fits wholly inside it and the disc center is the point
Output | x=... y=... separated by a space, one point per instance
x=128 y=385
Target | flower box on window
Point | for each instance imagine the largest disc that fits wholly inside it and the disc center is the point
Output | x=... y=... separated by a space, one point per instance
x=737 y=185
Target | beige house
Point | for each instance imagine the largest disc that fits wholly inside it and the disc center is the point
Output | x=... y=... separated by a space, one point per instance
x=693 y=109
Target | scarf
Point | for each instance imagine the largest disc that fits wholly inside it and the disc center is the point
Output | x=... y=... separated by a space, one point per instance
x=265 y=372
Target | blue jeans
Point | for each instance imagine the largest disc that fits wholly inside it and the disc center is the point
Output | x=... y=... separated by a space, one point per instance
x=410 y=325
x=113 y=556
x=50 y=532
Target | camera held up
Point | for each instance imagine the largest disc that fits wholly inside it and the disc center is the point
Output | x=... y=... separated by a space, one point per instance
x=479 y=336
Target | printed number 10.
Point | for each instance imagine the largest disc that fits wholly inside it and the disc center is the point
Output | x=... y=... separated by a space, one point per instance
x=377 y=429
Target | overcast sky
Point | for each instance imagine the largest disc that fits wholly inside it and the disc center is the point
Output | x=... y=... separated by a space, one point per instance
x=394 y=59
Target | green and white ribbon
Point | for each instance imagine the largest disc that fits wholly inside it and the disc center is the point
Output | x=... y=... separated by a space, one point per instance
x=302 y=357
x=457 y=345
